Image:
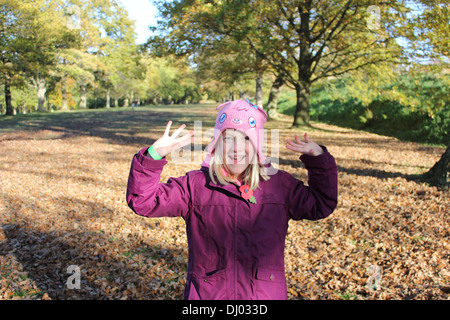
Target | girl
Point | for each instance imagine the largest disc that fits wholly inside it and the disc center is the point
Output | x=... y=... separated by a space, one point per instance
x=235 y=207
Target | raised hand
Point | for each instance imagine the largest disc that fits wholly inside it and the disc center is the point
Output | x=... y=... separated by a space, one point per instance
x=166 y=144
x=306 y=147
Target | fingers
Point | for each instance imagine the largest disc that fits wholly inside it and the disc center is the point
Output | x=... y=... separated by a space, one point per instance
x=298 y=147
x=178 y=131
x=307 y=138
x=298 y=141
x=293 y=148
x=166 y=132
x=184 y=140
x=187 y=137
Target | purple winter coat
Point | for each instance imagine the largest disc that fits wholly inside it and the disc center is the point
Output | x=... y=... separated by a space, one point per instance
x=236 y=248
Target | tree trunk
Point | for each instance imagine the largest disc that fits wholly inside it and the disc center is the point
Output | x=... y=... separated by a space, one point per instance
x=303 y=85
x=9 y=107
x=301 y=115
x=83 y=101
x=108 y=99
x=41 y=90
x=439 y=173
x=64 y=93
x=273 y=97
x=259 y=87
x=22 y=108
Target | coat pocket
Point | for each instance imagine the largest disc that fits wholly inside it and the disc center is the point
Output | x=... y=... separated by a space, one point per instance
x=270 y=284
x=211 y=286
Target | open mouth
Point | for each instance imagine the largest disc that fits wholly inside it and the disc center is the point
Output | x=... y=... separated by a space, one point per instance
x=237 y=158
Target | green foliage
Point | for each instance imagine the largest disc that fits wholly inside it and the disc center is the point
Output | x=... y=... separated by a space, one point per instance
x=72 y=51
x=409 y=108
x=301 y=41
x=24 y=99
x=428 y=30
x=172 y=80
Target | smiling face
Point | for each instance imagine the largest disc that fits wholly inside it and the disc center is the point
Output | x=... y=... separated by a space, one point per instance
x=238 y=151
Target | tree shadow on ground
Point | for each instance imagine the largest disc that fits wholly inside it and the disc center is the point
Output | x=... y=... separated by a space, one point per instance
x=124 y=127
x=112 y=266
x=362 y=172
x=46 y=257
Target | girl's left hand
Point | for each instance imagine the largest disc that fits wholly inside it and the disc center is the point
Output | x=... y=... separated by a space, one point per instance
x=307 y=147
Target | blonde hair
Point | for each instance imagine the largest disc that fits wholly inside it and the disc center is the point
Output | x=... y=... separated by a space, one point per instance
x=252 y=174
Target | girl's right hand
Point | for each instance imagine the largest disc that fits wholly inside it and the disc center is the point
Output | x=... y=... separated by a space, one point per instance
x=167 y=144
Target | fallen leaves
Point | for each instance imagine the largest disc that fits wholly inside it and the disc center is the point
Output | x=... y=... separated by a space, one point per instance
x=62 y=203
x=385 y=222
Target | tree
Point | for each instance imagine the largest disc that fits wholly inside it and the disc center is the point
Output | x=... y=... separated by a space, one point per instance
x=107 y=42
x=30 y=44
x=122 y=68
x=273 y=97
x=440 y=172
x=45 y=42
x=428 y=33
x=232 y=68
x=302 y=41
x=217 y=58
x=10 y=33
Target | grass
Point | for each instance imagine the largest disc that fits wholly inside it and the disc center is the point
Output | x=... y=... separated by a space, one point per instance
x=384 y=117
x=347 y=295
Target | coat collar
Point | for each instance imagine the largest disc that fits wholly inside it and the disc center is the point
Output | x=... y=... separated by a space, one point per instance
x=231 y=187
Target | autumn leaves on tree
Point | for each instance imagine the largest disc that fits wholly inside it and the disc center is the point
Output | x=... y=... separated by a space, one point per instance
x=300 y=42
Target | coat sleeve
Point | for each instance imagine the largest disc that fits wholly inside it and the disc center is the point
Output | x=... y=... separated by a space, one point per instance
x=319 y=199
x=147 y=197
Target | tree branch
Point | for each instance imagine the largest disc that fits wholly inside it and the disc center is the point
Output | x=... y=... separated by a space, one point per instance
x=277 y=66
x=317 y=56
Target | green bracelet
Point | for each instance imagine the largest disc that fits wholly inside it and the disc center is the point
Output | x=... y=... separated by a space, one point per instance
x=154 y=154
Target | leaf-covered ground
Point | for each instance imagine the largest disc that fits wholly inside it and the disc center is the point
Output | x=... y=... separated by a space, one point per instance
x=62 y=203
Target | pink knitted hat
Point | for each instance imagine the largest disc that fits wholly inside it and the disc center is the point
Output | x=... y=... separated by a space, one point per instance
x=244 y=116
